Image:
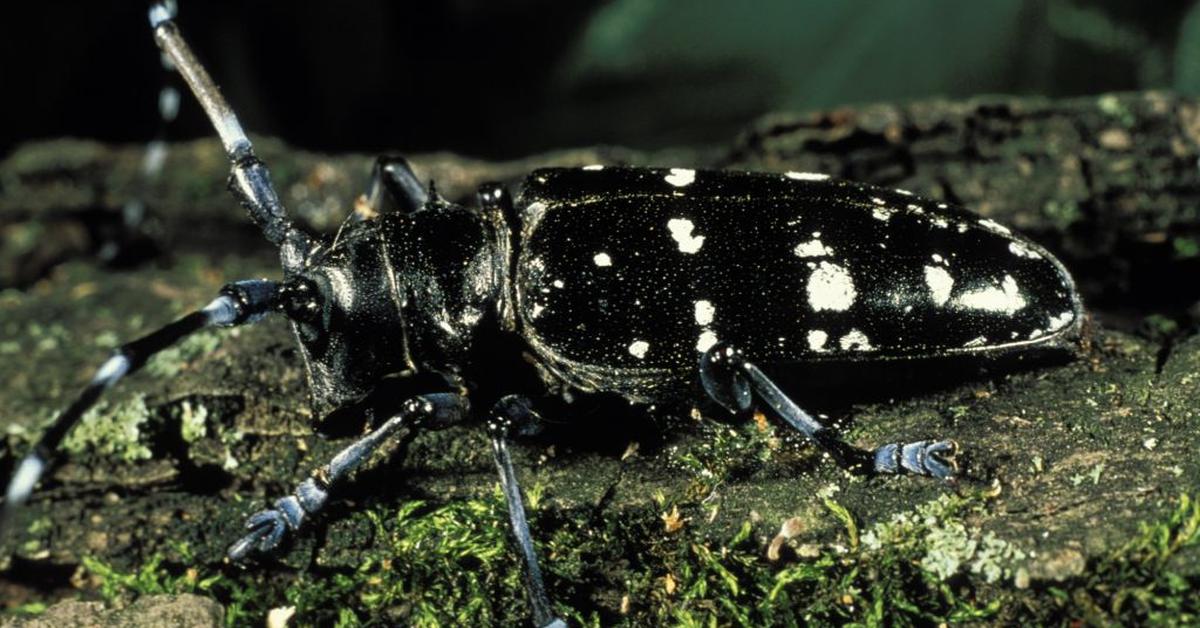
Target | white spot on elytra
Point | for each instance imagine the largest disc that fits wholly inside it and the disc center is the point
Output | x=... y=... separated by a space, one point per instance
x=816 y=340
x=680 y=177
x=638 y=348
x=976 y=342
x=883 y=213
x=602 y=259
x=878 y=201
x=830 y=287
x=992 y=225
x=904 y=192
x=812 y=248
x=594 y=167
x=558 y=283
x=807 y=176
x=1060 y=321
x=1020 y=250
x=1005 y=298
x=537 y=310
x=855 y=340
x=939 y=222
x=704 y=312
x=937 y=257
x=706 y=341
x=681 y=231
x=940 y=283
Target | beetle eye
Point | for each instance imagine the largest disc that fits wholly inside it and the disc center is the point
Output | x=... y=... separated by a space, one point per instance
x=301 y=301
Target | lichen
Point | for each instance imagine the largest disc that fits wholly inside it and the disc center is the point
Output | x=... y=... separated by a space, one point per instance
x=947 y=547
x=47 y=337
x=995 y=558
x=935 y=529
x=112 y=431
x=193 y=421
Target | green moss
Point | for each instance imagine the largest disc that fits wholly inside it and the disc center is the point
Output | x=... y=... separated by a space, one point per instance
x=47 y=337
x=447 y=565
x=112 y=431
x=1136 y=584
x=1062 y=214
x=724 y=450
x=1158 y=328
x=177 y=574
x=29 y=609
x=452 y=564
x=1186 y=247
x=1112 y=106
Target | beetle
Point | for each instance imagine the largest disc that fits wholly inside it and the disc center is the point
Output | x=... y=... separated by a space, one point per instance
x=653 y=284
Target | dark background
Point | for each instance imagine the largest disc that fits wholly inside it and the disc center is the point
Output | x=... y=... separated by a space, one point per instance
x=504 y=79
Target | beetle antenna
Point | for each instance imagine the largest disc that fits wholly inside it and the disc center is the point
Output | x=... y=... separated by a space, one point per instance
x=241 y=302
x=249 y=180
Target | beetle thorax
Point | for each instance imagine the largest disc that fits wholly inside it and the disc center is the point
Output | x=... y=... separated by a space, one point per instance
x=452 y=274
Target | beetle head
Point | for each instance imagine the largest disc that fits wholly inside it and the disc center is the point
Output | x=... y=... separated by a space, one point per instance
x=347 y=321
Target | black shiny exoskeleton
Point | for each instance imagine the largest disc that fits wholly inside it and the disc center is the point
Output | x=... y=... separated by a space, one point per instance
x=657 y=285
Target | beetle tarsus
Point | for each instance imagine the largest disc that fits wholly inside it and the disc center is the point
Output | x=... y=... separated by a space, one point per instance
x=934 y=459
x=266 y=533
x=268 y=527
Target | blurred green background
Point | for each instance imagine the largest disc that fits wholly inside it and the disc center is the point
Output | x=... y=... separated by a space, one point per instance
x=503 y=79
x=711 y=62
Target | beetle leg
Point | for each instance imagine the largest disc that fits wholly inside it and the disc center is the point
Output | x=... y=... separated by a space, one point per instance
x=249 y=179
x=730 y=379
x=394 y=187
x=239 y=303
x=267 y=527
x=512 y=415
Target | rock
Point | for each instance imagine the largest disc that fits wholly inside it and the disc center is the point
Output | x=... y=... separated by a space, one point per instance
x=1064 y=445
x=180 y=611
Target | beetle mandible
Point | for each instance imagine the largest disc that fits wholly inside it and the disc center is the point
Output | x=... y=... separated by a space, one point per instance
x=633 y=281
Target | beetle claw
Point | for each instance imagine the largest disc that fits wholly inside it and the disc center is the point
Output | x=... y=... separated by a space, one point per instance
x=935 y=459
x=923 y=457
x=266 y=531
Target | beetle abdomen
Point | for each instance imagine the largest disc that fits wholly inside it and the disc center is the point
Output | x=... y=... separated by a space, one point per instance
x=629 y=274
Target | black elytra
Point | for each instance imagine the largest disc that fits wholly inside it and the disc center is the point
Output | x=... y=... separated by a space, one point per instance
x=657 y=285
